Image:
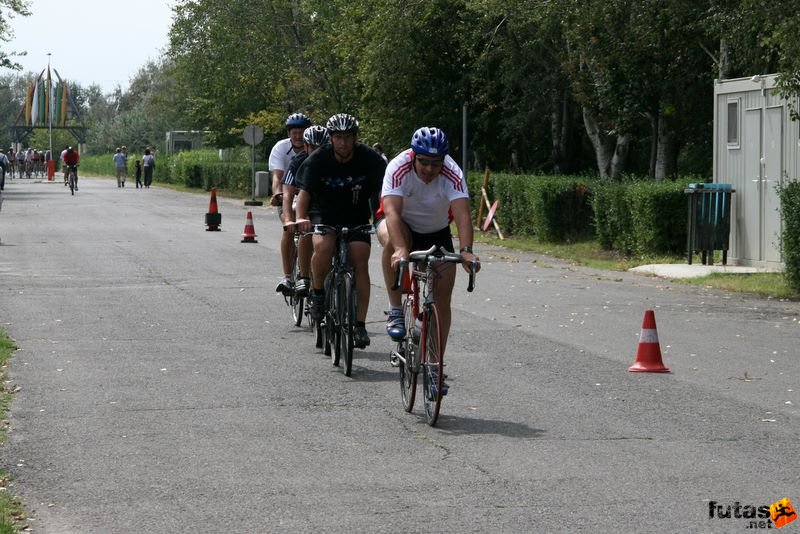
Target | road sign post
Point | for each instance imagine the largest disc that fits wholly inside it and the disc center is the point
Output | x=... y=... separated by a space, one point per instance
x=253 y=135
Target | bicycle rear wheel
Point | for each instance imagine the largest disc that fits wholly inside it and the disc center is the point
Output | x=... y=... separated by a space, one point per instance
x=347 y=299
x=432 y=364
x=410 y=352
x=295 y=301
x=72 y=183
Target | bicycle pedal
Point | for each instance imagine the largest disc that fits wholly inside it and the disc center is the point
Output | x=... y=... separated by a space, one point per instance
x=394 y=359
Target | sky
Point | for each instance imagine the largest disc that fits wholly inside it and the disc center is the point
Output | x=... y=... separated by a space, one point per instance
x=103 y=42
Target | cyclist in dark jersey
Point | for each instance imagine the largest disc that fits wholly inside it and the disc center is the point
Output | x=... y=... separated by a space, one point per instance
x=339 y=186
x=313 y=138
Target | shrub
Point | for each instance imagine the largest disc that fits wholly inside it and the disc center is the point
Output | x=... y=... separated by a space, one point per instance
x=790 y=237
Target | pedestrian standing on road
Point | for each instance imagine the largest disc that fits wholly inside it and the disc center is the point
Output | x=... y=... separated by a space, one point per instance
x=149 y=164
x=279 y=160
x=137 y=170
x=119 y=162
x=4 y=166
x=125 y=153
x=339 y=186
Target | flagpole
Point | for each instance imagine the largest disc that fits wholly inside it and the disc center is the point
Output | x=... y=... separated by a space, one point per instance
x=50 y=115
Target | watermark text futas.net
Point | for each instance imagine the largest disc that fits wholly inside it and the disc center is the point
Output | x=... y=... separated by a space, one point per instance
x=775 y=515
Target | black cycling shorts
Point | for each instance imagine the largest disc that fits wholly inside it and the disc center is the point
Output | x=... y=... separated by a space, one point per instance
x=363 y=237
x=440 y=238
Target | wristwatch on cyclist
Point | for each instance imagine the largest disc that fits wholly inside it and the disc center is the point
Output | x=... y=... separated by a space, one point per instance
x=467 y=248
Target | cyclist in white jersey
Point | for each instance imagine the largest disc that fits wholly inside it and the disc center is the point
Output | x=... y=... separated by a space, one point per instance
x=279 y=159
x=423 y=191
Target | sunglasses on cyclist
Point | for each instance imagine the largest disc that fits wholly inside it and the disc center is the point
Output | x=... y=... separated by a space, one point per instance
x=425 y=162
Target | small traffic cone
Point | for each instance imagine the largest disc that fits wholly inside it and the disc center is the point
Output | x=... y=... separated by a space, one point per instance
x=648 y=356
x=249 y=235
x=213 y=217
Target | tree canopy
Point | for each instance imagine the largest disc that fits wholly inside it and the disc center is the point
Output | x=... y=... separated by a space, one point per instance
x=608 y=86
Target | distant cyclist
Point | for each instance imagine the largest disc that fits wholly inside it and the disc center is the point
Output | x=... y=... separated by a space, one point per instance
x=423 y=190
x=71 y=161
x=20 y=157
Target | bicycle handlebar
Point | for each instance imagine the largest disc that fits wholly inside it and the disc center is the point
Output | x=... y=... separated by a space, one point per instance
x=322 y=229
x=434 y=255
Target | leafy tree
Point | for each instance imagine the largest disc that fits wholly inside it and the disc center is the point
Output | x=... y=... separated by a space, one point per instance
x=11 y=8
x=230 y=58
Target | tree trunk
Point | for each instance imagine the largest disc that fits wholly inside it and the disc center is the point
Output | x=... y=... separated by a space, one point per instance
x=561 y=131
x=619 y=161
x=724 y=59
x=653 y=143
x=666 y=156
x=556 y=140
x=603 y=145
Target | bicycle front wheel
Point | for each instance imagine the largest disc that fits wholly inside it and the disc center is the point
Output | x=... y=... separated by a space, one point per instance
x=331 y=321
x=347 y=299
x=432 y=364
x=410 y=351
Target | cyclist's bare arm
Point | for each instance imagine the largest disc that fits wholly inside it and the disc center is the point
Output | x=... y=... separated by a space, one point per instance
x=463 y=219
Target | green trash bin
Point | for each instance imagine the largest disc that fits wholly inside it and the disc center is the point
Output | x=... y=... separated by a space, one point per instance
x=709 y=224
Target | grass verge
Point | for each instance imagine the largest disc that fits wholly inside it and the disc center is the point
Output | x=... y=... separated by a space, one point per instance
x=11 y=511
x=590 y=254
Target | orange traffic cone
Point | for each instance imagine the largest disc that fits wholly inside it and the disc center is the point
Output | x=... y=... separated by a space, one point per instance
x=648 y=356
x=249 y=235
x=213 y=217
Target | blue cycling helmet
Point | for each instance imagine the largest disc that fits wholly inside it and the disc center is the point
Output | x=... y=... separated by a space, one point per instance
x=297 y=120
x=342 y=122
x=316 y=136
x=429 y=141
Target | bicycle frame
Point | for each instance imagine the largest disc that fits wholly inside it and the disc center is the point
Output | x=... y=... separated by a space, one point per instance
x=412 y=353
x=296 y=303
x=73 y=178
x=340 y=322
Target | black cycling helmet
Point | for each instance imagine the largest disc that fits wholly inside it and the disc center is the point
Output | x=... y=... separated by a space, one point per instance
x=342 y=122
x=429 y=141
x=316 y=136
x=297 y=120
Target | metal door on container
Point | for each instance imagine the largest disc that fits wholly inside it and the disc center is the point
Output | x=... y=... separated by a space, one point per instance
x=759 y=223
x=770 y=213
x=748 y=193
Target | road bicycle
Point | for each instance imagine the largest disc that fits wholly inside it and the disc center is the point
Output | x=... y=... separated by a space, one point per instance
x=339 y=324
x=421 y=349
x=73 y=178
x=297 y=303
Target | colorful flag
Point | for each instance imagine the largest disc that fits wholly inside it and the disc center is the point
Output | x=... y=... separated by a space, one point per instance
x=35 y=103
x=28 y=99
x=50 y=98
x=42 y=101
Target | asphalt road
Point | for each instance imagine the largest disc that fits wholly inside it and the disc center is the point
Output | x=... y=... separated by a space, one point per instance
x=162 y=388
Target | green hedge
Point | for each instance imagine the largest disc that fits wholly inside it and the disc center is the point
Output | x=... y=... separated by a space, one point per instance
x=633 y=217
x=193 y=169
x=639 y=217
x=550 y=208
x=790 y=237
